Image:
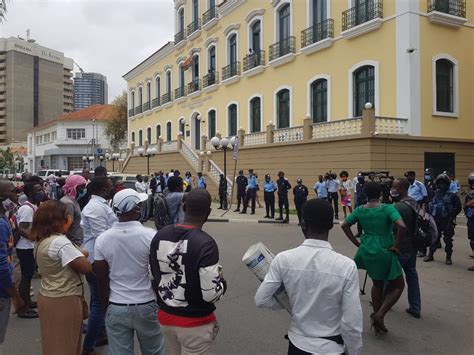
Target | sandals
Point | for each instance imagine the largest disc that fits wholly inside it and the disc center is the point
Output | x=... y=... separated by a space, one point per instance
x=29 y=314
x=378 y=325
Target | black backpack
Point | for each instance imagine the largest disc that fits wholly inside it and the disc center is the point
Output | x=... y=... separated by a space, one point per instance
x=425 y=230
x=161 y=214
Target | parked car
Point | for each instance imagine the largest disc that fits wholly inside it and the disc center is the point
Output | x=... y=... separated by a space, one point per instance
x=46 y=172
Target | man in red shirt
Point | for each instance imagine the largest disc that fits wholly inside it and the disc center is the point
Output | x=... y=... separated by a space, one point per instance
x=188 y=281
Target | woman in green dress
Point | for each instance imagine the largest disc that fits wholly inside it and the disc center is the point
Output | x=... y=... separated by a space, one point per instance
x=378 y=251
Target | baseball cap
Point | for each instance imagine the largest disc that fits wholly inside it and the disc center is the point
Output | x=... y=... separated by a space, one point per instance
x=299 y=180
x=126 y=200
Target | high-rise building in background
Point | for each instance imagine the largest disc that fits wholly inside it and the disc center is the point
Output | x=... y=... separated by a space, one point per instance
x=35 y=87
x=89 y=89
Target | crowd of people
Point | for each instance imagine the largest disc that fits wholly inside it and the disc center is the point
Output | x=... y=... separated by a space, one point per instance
x=86 y=232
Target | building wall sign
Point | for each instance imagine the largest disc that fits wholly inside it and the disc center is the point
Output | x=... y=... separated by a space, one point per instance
x=19 y=45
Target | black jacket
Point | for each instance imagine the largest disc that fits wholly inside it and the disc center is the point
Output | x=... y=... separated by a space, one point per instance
x=242 y=183
x=283 y=186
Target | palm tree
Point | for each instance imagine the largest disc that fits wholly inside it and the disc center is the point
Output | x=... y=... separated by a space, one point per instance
x=3 y=10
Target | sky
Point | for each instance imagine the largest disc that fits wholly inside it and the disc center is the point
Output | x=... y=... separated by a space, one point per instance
x=103 y=36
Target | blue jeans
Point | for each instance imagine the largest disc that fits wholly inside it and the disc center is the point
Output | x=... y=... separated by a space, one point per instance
x=408 y=263
x=123 y=321
x=96 y=321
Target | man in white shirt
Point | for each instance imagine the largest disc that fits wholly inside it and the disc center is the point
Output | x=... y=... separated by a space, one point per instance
x=121 y=263
x=96 y=218
x=333 y=184
x=323 y=289
x=141 y=187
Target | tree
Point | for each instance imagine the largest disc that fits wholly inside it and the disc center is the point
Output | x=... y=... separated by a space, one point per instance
x=116 y=129
x=3 y=10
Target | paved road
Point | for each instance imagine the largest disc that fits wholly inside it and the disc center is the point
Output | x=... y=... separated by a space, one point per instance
x=447 y=320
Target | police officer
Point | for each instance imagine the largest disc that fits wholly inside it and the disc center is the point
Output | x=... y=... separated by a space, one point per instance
x=429 y=183
x=444 y=207
x=269 y=188
x=300 y=193
x=417 y=190
x=222 y=192
x=251 y=192
x=242 y=183
x=283 y=187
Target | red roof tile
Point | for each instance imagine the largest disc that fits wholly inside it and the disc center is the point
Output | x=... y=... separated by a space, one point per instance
x=97 y=112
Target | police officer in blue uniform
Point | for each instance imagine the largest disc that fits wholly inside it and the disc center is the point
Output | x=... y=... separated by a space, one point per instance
x=251 y=194
x=269 y=188
x=300 y=193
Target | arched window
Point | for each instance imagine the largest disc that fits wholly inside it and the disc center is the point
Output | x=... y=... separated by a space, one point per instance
x=168 y=132
x=195 y=10
x=132 y=100
x=181 y=126
x=283 y=108
x=284 y=25
x=232 y=42
x=211 y=119
x=148 y=92
x=181 y=76
x=364 y=88
x=255 y=114
x=140 y=138
x=256 y=36
x=148 y=135
x=195 y=67
x=444 y=86
x=157 y=87
x=133 y=137
x=318 y=11
x=232 y=119
x=319 y=100
x=158 y=132
x=168 y=82
x=181 y=20
x=212 y=59
x=140 y=96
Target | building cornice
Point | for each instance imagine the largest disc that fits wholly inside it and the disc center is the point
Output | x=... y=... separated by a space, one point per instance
x=209 y=41
x=151 y=60
x=179 y=3
x=253 y=13
x=230 y=28
x=229 y=6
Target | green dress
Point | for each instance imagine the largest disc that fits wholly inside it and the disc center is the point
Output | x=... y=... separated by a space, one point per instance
x=377 y=237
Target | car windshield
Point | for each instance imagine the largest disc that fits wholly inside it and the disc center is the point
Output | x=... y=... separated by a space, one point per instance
x=42 y=173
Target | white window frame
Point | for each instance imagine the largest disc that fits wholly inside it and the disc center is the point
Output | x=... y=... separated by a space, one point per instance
x=177 y=18
x=74 y=134
x=309 y=96
x=166 y=131
x=276 y=19
x=207 y=120
x=133 y=136
x=227 y=41
x=171 y=82
x=455 y=85
x=151 y=135
x=249 y=31
x=132 y=99
x=309 y=17
x=350 y=81
x=140 y=97
x=140 y=131
x=275 y=104
x=212 y=44
x=156 y=86
x=178 y=128
x=227 y=117
x=161 y=131
x=249 y=110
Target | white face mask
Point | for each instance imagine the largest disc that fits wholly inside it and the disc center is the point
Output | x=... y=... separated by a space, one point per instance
x=9 y=205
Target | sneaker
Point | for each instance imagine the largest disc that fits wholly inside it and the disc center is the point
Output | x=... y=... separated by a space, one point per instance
x=253 y=212
x=267 y=216
x=219 y=208
x=413 y=313
x=279 y=219
x=449 y=261
x=29 y=314
x=237 y=210
x=286 y=220
x=471 y=268
x=242 y=212
x=420 y=254
x=428 y=258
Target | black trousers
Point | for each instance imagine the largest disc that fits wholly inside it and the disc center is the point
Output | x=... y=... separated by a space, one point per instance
x=223 y=200
x=333 y=198
x=269 y=203
x=299 y=207
x=445 y=230
x=283 y=203
x=251 y=195
x=240 y=198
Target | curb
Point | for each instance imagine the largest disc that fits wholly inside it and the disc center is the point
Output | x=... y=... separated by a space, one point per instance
x=257 y=221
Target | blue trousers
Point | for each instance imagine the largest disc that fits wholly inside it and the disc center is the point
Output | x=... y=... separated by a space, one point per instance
x=123 y=321
x=408 y=263
x=96 y=321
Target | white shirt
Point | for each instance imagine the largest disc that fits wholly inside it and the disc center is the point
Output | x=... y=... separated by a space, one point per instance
x=333 y=185
x=25 y=215
x=323 y=289
x=140 y=187
x=62 y=249
x=96 y=218
x=126 y=249
x=348 y=186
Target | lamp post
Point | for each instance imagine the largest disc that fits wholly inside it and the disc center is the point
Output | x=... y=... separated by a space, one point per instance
x=87 y=160
x=114 y=157
x=101 y=159
x=148 y=153
x=223 y=144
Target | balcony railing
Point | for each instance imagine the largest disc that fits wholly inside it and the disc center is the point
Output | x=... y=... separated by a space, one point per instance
x=194 y=26
x=254 y=60
x=178 y=37
x=180 y=92
x=318 y=32
x=282 y=48
x=146 y=106
x=155 y=102
x=138 y=109
x=210 y=79
x=362 y=13
x=209 y=15
x=231 y=70
x=194 y=86
x=168 y=97
x=451 y=7
x=131 y=112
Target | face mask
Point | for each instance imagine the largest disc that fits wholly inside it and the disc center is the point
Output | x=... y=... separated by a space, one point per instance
x=40 y=197
x=442 y=187
x=395 y=195
x=82 y=193
x=428 y=177
x=68 y=223
x=9 y=205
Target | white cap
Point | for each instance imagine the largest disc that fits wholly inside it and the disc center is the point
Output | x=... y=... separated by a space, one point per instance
x=126 y=200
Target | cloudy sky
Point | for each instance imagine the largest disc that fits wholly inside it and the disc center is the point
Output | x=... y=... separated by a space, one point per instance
x=105 y=36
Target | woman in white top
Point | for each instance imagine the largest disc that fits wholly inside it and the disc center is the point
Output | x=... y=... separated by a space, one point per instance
x=346 y=192
x=62 y=265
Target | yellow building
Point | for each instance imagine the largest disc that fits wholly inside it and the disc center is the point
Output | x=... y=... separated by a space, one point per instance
x=240 y=67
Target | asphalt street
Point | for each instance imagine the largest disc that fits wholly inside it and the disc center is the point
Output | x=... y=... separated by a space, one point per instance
x=446 y=326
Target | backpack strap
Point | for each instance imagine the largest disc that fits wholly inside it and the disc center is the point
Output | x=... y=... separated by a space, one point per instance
x=415 y=211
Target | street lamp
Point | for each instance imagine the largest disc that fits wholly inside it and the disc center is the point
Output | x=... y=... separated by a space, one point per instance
x=148 y=153
x=87 y=160
x=101 y=159
x=223 y=144
x=114 y=157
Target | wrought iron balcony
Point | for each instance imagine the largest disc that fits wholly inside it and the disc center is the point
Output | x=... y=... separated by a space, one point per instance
x=254 y=60
x=320 y=31
x=178 y=37
x=194 y=86
x=131 y=112
x=284 y=47
x=362 y=13
x=146 y=106
x=209 y=15
x=451 y=7
x=138 y=109
x=168 y=97
x=180 y=92
x=155 y=102
x=211 y=78
x=194 y=26
x=231 y=70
